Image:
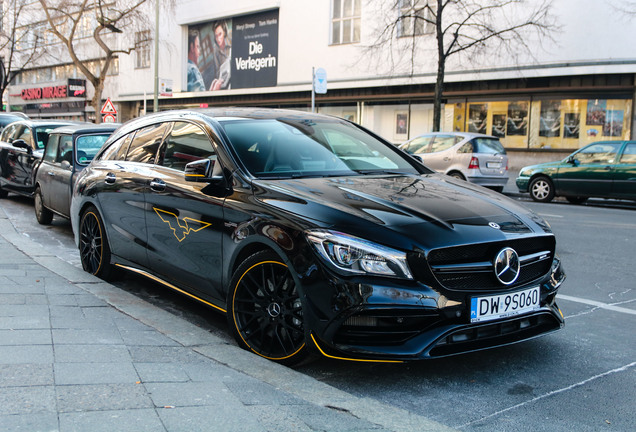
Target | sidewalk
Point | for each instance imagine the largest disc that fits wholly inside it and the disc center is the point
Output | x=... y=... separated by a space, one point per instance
x=77 y=354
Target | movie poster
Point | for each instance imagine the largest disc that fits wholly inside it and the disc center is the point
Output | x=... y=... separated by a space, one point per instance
x=613 y=123
x=596 y=112
x=498 y=125
x=550 y=119
x=240 y=52
x=571 y=125
x=517 y=123
x=477 y=118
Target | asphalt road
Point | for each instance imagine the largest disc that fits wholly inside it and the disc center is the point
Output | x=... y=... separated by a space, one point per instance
x=582 y=378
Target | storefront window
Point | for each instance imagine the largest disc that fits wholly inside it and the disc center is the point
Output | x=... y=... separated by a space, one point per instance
x=544 y=124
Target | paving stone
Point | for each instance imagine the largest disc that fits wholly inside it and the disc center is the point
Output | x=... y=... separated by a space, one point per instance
x=25 y=337
x=30 y=322
x=161 y=372
x=91 y=353
x=253 y=392
x=190 y=394
x=102 y=397
x=21 y=375
x=34 y=422
x=20 y=354
x=204 y=419
x=146 y=338
x=24 y=310
x=95 y=373
x=27 y=400
x=132 y=420
x=153 y=354
x=89 y=337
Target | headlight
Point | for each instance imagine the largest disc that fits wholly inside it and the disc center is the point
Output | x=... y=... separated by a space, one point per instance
x=351 y=254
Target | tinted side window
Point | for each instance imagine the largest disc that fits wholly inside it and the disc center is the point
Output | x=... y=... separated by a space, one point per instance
x=25 y=134
x=629 y=155
x=418 y=145
x=186 y=142
x=65 y=149
x=598 y=153
x=7 y=133
x=145 y=145
x=51 y=148
x=442 y=142
x=111 y=152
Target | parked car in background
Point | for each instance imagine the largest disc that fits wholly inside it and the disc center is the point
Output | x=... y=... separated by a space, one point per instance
x=69 y=150
x=480 y=159
x=21 y=146
x=312 y=234
x=605 y=169
x=9 y=117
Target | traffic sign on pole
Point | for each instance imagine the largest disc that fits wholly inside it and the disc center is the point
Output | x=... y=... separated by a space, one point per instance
x=108 y=107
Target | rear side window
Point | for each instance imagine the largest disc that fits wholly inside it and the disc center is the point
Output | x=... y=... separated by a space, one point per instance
x=418 y=145
x=186 y=143
x=443 y=142
x=145 y=145
x=488 y=146
x=65 y=149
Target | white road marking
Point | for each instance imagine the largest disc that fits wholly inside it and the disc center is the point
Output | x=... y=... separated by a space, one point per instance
x=597 y=304
x=552 y=393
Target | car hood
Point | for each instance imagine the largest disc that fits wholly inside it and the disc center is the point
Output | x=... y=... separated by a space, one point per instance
x=431 y=209
x=541 y=166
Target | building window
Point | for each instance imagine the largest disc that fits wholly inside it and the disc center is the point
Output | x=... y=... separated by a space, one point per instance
x=415 y=18
x=142 y=49
x=345 y=21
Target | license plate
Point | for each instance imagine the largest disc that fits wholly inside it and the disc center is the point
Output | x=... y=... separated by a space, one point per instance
x=488 y=308
x=493 y=164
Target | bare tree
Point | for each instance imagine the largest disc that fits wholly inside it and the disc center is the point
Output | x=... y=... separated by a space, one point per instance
x=73 y=20
x=19 y=44
x=447 y=28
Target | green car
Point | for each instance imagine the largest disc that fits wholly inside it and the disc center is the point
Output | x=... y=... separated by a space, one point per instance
x=605 y=169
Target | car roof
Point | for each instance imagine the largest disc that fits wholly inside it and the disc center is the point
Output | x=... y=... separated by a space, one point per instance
x=39 y=122
x=18 y=114
x=86 y=128
x=467 y=135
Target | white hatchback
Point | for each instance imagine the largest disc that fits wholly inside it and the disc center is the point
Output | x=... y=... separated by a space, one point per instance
x=478 y=158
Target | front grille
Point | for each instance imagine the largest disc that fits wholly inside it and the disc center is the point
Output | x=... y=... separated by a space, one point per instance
x=470 y=267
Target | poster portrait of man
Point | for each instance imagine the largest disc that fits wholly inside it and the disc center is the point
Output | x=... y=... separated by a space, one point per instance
x=477 y=118
x=517 y=123
x=550 y=119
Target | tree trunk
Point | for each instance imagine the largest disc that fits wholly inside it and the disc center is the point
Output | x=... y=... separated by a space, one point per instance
x=96 y=101
x=441 y=66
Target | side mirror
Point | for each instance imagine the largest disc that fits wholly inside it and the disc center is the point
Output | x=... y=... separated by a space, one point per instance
x=20 y=143
x=572 y=160
x=202 y=171
x=419 y=158
x=66 y=165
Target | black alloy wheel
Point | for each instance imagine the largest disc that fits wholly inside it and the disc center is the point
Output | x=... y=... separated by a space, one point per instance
x=542 y=189
x=93 y=245
x=42 y=214
x=265 y=312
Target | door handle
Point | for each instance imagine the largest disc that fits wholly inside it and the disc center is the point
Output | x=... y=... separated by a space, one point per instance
x=157 y=185
x=110 y=178
x=51 y=173
x=608 y=168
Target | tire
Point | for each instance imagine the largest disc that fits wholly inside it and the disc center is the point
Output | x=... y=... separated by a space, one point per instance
x=497 y=188
x=457 y=175
x=265 y=312
x=93 y=245
x=42 y=214
x=576 y=199
x=541 y=189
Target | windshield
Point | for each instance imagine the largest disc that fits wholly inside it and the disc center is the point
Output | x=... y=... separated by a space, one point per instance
x=285 y=148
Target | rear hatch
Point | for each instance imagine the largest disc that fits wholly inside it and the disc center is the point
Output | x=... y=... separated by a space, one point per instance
x=492 y=157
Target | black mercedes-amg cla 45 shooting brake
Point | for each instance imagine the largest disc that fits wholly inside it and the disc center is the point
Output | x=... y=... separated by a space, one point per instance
x=313 y=235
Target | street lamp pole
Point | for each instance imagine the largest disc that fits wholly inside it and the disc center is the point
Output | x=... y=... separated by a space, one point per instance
x=156 y=97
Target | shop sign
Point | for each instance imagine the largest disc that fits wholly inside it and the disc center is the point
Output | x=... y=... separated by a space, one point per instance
x=51 y=92
x=76 y=87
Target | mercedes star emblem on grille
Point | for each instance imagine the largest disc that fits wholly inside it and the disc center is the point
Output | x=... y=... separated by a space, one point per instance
x=507 y=266
x=494 y=225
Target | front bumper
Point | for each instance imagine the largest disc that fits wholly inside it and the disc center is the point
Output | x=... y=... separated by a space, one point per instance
x=389 y=322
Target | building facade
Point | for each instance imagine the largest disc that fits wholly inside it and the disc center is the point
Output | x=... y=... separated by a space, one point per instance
x=566 y=91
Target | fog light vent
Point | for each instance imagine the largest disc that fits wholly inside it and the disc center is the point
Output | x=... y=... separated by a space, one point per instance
x=362 y=321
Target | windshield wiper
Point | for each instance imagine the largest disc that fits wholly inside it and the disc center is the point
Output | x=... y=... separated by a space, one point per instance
x=380 y=171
